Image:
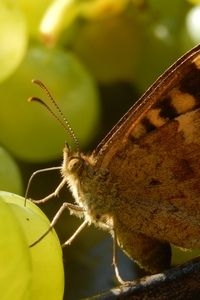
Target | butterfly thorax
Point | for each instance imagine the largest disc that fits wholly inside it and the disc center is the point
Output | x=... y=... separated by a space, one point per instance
x=88 y=187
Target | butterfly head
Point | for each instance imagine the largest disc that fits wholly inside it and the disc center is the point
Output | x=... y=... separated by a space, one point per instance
x=73 y=162
x=83 y=179
x=72 y=159
x=77 y=170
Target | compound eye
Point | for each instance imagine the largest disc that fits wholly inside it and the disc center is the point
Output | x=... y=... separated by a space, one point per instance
x=75 y=164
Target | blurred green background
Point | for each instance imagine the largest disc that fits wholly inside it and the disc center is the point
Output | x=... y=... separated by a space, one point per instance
x=96 y=58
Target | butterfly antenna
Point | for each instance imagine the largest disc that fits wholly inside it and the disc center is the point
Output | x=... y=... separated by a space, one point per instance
x=60 y=117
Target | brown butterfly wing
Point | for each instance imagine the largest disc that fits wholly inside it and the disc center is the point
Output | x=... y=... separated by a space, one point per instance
x=160 y=182
x=157 y=191
x=161 y=102
x=153 y=158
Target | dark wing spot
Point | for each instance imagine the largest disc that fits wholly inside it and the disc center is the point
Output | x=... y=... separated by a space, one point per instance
x=183 y=170
x=154 y=182
x=148 y=124
x=167 y=110
x=191 y=82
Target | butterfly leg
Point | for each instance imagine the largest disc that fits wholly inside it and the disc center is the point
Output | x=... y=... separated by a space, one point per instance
x=114 y=262
x=76 y=233
x=52 y=195
x=75 y=209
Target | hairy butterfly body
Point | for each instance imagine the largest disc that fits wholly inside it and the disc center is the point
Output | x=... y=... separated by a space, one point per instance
x=142 y=182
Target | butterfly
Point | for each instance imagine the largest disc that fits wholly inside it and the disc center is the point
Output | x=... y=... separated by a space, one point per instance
x=142 y=182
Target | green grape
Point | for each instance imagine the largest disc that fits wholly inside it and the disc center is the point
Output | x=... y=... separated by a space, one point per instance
x=30 y=132
x=13 y=38
x=15 y=261
x=109 y=47
x=194 y=1
x=109 y=38
x=192 y=24
x=61 y=14
x=172 y=12
x=154 y=61
x=10 y=177
x=33 y=12
x=180 y=256
x=47 y=277
x=163 y=40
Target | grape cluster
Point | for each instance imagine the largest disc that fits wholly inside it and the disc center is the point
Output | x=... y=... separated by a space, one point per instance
x=94 y=57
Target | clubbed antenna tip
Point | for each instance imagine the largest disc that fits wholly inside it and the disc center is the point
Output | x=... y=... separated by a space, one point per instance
x=58 y=115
